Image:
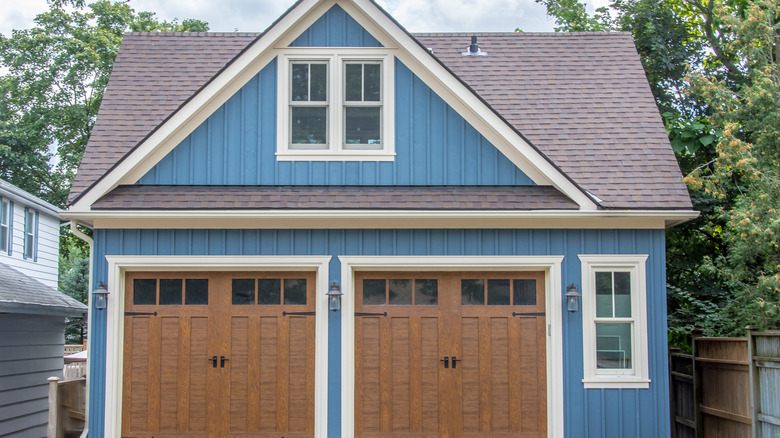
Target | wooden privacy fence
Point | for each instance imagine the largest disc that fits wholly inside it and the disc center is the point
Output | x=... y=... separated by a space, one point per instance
x=728 y=387
x=66 y=407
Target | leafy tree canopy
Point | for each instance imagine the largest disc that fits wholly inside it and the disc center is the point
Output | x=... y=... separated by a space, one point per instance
x=56 y=74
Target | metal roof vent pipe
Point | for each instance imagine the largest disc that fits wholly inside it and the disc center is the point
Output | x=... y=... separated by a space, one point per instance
x=473 y=48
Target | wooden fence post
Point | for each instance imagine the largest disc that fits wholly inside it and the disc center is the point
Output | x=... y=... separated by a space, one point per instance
x=754 y=401
x=697 y=333
x=54 y=408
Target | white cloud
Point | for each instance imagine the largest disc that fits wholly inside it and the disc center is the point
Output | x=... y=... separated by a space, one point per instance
x=257 y=15
x=469 y=15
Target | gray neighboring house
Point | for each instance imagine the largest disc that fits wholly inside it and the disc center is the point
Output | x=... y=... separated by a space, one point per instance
x=32 y=311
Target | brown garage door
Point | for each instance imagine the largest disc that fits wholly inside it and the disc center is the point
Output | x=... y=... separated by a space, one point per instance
x=457 y=355
x=219 y=354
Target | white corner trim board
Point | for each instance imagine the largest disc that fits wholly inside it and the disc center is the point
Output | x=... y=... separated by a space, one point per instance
x=551 y=265
x=119 y=265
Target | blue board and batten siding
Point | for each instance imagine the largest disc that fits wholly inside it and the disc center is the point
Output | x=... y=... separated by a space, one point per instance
x=434 y=145
x=336 y=29
x=588 y=413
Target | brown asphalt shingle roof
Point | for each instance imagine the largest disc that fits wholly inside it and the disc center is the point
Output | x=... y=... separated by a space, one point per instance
x=582 y=99
x=150 y=197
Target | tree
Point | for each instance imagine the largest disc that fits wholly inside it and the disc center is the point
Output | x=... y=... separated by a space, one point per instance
x=57 y=72
x=74 y=281
x=748 y=112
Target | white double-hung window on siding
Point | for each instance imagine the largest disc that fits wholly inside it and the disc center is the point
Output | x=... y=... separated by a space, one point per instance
x=30 y=234
x=614 y=315
x=5 y=216
x=335 y=106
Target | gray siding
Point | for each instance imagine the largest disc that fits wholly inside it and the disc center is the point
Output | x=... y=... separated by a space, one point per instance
x=31 y=349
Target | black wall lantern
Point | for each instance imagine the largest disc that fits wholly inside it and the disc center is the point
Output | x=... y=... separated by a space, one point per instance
x=100 y=296
x=572 y=298
x=334 y=297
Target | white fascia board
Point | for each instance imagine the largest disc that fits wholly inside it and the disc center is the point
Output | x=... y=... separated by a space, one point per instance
x=385 y=219
x=465 y=102
x=197 y=110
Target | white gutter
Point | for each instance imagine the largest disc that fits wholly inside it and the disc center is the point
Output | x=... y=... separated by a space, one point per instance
x=76 y=232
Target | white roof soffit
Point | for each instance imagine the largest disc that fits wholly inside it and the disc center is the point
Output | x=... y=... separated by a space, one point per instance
x=395 y=39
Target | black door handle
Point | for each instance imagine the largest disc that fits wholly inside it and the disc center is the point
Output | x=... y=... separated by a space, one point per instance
x=446 y=361
x=455 y=361
x=213 y=361
x=222 y=360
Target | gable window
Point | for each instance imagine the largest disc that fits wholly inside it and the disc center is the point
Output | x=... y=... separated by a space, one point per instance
x=30 y=234
x=614 y=321
x=335 y=106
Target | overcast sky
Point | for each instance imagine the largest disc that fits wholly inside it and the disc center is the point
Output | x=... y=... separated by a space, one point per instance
x=256 y=15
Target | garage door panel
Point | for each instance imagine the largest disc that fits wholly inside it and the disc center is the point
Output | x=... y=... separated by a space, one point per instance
x=139 y=374
x=497 y=386
x=170 y=370
x=268 y=373
x=239 y=373
x=198 y=368
x=300 y=379
x=400 y=374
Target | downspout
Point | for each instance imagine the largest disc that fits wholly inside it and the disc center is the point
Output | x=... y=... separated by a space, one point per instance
x=76 y=232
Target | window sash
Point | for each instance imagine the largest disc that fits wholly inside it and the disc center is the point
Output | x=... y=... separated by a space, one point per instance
x=319 y=135
x=3 y=225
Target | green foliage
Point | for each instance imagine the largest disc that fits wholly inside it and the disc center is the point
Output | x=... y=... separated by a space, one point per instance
x=572 y=16
x=74 y=280
x=57 y=73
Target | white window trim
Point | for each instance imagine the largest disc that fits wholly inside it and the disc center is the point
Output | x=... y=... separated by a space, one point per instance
x=119 y=265
x=638 y=376
x=335 y=58
x=551 y=265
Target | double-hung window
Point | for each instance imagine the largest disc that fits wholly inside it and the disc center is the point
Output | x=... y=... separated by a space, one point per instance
x=335 y=105
x=4 y=222
x=614 y=321
x=30 y=234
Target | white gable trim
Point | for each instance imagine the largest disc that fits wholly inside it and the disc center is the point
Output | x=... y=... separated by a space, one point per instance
x=392 y=37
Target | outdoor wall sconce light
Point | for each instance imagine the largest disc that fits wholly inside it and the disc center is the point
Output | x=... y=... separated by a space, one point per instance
x=572 y=298
x=100 y=296
x=334 y=297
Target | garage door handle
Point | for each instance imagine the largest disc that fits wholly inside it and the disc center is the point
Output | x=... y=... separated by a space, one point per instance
x=446 y=361
x=222 y=360
x=213 y=361
x=455 y=361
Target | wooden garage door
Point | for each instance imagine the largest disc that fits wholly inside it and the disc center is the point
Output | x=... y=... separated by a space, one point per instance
x=450 y=355
x=219 y=354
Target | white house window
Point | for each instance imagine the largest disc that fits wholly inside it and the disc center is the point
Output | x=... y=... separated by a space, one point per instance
x=335 y=105
x=30 y=234
x=309 y=105
x=4 y=213
x=614 y=321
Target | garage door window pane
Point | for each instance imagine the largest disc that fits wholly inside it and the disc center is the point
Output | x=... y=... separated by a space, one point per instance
x=401 y=292
x=524 y=292
x=472 y=292
x=196 y=291
x=170 y=291
x=144 y=291
x=295 y=291
x=243 y=291
x=374 y=292
x=269 y=291
x=426 y=292
x=498 y=292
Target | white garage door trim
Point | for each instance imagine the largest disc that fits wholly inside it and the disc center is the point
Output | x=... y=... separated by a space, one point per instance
x=551 y=265
x=118 y=265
